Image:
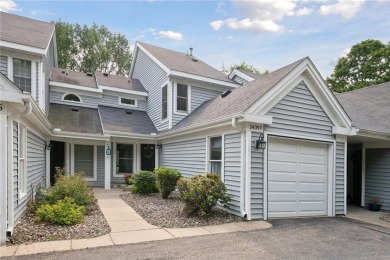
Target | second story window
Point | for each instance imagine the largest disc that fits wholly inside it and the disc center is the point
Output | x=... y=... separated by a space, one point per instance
x=182 y=98
x=71 y=98
x=127 y=101
x=164 y=102
x=22 y=74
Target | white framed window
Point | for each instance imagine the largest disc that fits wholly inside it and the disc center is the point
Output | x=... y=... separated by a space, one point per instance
x=22 y=74
x=215 y=155
x=164 y=102
x=182 y=98
x=127 y=102
x=69 y=97
x=85 y=160
x=124 y=159
x=22 y=148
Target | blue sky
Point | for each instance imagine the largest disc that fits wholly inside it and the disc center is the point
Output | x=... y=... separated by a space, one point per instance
x=266 y=33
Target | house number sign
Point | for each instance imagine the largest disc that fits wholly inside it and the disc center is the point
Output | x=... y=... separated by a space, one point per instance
x=256 y=127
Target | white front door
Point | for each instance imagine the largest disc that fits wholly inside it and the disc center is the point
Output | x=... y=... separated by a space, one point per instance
x=297 y=178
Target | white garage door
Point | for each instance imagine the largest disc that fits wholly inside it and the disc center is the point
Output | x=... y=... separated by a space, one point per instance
x=297 y=178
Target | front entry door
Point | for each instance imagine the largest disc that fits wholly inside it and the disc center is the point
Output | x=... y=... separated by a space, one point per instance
x=57 y=158
x=148 y=152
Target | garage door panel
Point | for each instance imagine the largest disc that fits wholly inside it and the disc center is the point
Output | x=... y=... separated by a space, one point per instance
x=297 y=178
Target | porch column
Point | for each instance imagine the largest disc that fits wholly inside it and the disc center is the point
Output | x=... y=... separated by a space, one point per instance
x=107 y=166
x=3 y=173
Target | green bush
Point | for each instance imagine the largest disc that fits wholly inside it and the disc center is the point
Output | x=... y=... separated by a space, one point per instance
x=202 y=192
x=74 y=187
x=167 y=180
x=129 y=179
x=63 y=212
x=144 y=182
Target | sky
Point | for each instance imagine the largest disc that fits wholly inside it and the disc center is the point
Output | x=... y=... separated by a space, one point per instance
x=268 y=34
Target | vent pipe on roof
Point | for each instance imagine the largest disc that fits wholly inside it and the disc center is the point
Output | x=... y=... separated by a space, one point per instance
x=191 y=49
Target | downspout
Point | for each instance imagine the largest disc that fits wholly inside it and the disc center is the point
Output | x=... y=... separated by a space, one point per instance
x=10 y=124
x=242 y=181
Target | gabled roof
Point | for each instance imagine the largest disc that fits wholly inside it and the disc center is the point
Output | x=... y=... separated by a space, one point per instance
x=238 y=100
x=181 y=62
x=368 y=108
x=116 y=81
x=85 y=120
x=25 y=31
x=126 y=121
x=73 y=78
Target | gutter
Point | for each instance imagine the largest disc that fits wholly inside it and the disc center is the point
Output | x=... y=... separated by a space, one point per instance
x=10 y=121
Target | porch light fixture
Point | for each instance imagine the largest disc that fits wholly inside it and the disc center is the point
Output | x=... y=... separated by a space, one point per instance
x=260 y=143
x=108 y=150
x=159 y=146
x=48 y=146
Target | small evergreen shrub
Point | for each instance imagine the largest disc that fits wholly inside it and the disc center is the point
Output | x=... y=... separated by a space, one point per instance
x=167 y=180
x=202 y=192
x=63 y=212
x=74 y=187
x=144 y=182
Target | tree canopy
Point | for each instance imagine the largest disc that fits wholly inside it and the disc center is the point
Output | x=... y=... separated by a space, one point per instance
x=368 y=63
x=243 y=66
x=90 y=49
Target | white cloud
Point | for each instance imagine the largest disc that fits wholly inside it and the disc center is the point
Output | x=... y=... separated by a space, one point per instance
x=255 y=25
x=382 y=1
x=216 y=25
x=175 y=36
x=346 y=8
x=41 y=12
x=344 y=53
x=303 y=11
x=8 y=5
x=266 y=9
x=220 y=8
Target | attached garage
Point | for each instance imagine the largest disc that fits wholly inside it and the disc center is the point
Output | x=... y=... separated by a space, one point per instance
x=297 y=178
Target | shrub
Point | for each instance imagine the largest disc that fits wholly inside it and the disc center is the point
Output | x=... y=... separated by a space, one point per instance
x=74 y=187
x=129 y=179
x=63 y=212
x=202 y=192
x=167 y=180
x=144 y=182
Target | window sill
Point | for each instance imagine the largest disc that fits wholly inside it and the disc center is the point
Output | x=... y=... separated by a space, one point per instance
x=182 y=113
x=91 y=179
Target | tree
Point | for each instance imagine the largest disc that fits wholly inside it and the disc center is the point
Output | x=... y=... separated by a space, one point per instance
x=368 y=63
x=90 y=49
x=243 y=66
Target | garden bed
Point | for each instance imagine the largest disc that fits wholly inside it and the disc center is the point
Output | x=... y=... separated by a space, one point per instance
x=29 y=230
x=167 y=212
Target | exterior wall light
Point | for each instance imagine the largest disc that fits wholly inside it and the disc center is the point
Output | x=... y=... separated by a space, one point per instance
x=159 y=146
x=260 y=143
x=108 y=150
x=48 y=146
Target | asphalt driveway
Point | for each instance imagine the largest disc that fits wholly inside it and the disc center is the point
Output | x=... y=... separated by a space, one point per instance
x=317 y=238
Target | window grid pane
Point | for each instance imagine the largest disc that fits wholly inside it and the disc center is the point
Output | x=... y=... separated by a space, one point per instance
x=127 y=101
x=22 y=74
x=164 y=102
x=72 y=97
x=124 y=158
x=83 y=159
x=216 y=148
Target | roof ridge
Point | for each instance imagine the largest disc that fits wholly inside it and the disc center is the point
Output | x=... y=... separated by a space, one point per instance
x=162 y=48
x=363 y=88
x=29 y=18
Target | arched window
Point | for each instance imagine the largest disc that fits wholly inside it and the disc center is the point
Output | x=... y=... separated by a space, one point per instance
x=71 y=97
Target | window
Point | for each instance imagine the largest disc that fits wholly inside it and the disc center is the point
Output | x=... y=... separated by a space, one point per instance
x=84 y=160
x=22 y=180
x=182 y=98
x=126 y=101
x=124 y=158
x=22 y=74
x=71 y=98
x=164 y=102
x=215 y=155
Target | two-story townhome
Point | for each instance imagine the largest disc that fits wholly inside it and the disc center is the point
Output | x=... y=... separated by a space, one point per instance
x=283 y=143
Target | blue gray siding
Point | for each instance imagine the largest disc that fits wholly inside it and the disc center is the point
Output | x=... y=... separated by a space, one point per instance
x=232 y=169
x=37 y=82
x=100 y=167
x=189 y=157
x=36 y=171
x=93 y=102
x=339 y=196
x=256 y=179
x=378 y=176
x=300 y=114
x=152 y=77
x=4 y=65
x=48 y=64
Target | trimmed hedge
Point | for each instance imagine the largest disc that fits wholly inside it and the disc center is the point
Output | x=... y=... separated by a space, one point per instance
x=167 y=180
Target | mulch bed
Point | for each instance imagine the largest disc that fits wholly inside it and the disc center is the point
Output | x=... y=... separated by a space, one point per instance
x=167 y=212
x=29 y=230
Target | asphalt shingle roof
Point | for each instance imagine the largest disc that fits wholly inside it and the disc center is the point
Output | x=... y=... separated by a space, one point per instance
x=85 y=120
x=26 y=31
x=238 y=100
x=73 y=77
x=368 y=108
x=135 y=122
x=116 y=81
x=179 y=61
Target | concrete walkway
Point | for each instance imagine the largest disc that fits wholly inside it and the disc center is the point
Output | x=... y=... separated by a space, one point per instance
x=362 y=214
x=127 y=227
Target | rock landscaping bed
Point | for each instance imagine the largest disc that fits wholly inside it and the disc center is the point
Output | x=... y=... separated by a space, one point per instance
x=29 y=230
x=168 y=212
x=385 y=218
